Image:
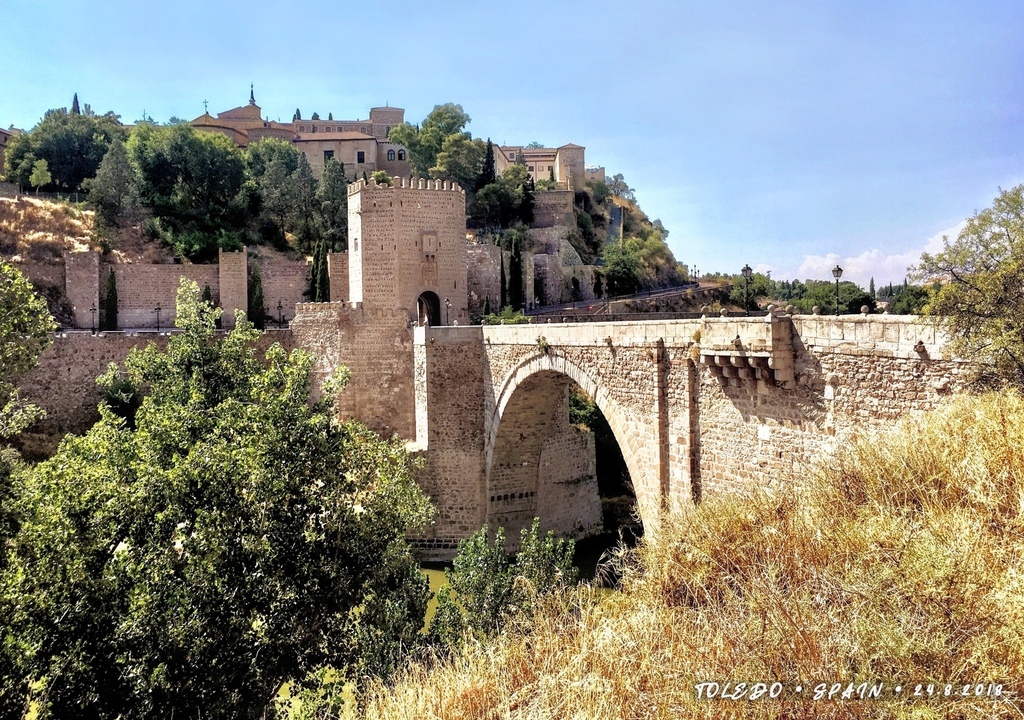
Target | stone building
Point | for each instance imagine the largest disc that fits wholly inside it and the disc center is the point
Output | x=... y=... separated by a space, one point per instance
x=361 y=145
x=566 y=163
x=4 y=137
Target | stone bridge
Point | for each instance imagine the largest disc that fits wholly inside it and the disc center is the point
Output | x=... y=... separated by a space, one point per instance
x=697 y=407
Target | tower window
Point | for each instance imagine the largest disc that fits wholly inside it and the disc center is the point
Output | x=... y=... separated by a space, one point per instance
x=401 y=154
x=360 y=157
x=391 y=154
x=328 y=155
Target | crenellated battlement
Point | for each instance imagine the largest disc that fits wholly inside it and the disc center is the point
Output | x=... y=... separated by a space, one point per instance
x=402 y=183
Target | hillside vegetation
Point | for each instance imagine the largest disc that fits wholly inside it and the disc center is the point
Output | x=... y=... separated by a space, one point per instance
x=897 y=565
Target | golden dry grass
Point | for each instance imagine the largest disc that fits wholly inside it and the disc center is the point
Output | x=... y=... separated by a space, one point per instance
x=899 y=564
x=40 y=230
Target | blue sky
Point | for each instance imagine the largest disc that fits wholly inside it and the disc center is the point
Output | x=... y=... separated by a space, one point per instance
x=787 y=135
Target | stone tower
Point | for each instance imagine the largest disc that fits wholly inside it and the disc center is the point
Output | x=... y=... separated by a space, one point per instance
x=407 y=249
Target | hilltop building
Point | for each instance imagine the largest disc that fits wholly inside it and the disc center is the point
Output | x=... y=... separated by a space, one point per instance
x=5 y=135
x=361 y=145
x=565 y=164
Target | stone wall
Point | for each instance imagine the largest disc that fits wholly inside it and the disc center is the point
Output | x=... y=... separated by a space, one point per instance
x=337 y=271
x=64 y=382
x=377 y=347
x=234 y=284
x=143 y=288
x=553 y=207
x=82 y=286
x=483 y=277
x=284 y=282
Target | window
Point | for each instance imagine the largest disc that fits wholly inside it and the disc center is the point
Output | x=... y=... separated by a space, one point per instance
x=314 y=128
x=511 y=156
x=530 y=168
x=302 y=128
x=328 y=154
x=387 y=131
x=391 y=154
x=360 y=157
x=401 y=154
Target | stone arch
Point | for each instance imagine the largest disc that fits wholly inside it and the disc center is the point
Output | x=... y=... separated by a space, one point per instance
x=522 y=420
x=428 y=309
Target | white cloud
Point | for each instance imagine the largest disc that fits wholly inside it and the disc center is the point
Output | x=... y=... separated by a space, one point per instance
x=875 y=263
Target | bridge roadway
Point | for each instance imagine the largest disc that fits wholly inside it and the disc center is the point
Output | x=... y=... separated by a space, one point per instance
x=697 y=406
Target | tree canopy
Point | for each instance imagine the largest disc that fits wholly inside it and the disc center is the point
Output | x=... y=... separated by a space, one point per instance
x=980 y=298
x=426 y=141
x=72 y=144
x=228 y=535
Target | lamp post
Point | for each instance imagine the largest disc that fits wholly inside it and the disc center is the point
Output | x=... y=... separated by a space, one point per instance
x=93 y=311
x=837 y=272
x=447 y=307
x=280 y=311
x=157 y=310
x=747 y=272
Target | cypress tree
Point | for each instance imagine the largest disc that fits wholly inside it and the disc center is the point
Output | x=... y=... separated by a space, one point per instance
x=207 y=295
x=487 y=305
x=598 y=290
x=526 y=206
x=110 y=303
x=515 y=274
x=504 y=282
x=871 y=287
x=75 y=109
x=257 y=313
x=320 y=284
x=298 y=115
x=488 y=174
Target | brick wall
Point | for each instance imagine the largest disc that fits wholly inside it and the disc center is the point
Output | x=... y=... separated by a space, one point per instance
x=143 y=288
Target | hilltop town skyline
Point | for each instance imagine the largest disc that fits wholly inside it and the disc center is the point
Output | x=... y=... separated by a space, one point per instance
x=787 y=139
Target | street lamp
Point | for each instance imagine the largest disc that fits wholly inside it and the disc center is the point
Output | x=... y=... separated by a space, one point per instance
x=93 y=311
x=747 y=272
x=280 y=319
x=447 y=307
x=837 y=272
x=157 y=310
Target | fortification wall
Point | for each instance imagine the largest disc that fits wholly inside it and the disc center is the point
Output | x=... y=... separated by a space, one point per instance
x=64 y=382
x=337 y=271
x=377 y=347
x=82 y=286
x=483 y=277
x=143 y=288
x=234 y=284
x=553 y=207
x=284 y=281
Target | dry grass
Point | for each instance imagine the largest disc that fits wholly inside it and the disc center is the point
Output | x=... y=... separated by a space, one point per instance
x=899 y=564
x=40 y=231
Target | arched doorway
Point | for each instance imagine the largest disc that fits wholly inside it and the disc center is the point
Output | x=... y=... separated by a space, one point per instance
x=428 y=309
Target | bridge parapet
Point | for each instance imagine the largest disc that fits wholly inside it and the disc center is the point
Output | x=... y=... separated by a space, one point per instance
x=740 y=349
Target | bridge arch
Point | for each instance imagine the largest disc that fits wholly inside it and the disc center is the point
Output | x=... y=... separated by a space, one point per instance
x=527 y=437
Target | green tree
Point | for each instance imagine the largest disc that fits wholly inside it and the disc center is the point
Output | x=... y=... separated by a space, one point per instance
x=503 y=280
x=910 y=300
x=257 y=312
x=75 y=109
x=488 y=174
x=426 y=141
x=237 y=537
x=621 y=268
x=332 y=206
x=192 y=182
x=461 y=159
x=490 y=587
x=381 y=177
x=40 y=175
x=617 y=186
x=115 y=190
x=319 y=278
x=72 y=144
x=514 y=240
x=26 y=329
x=110 y=302
x=980 y=299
